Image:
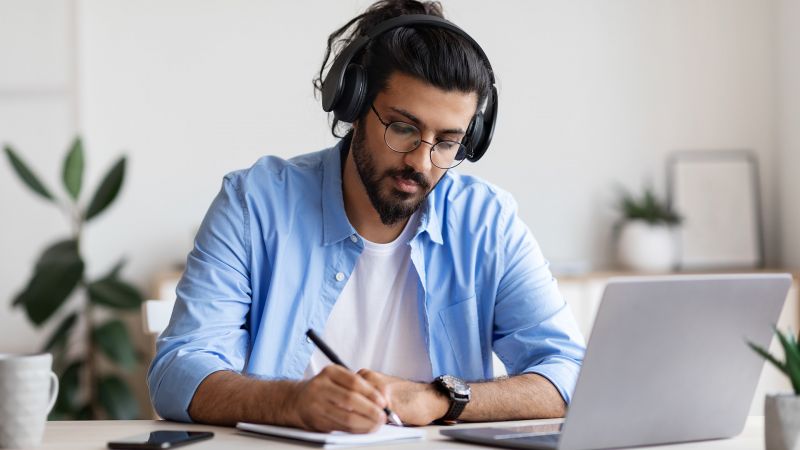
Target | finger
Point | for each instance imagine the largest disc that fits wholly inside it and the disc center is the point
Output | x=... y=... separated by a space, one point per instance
x=328 y=389
x=354 y=382
x=330 y=407
x=378 y=382
x=355 y=402
x=323 y=423
x=351 y=421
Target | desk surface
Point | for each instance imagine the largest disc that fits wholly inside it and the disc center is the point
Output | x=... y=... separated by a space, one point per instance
x=93 y=435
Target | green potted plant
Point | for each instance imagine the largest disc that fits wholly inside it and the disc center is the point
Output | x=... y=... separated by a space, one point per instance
x=646 y=240
x=782 y=411
x=90 y=382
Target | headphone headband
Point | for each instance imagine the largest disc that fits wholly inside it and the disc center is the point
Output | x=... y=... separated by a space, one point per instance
x=432 y=21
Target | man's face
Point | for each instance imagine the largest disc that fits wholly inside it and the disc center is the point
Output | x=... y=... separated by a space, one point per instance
x=397 y=183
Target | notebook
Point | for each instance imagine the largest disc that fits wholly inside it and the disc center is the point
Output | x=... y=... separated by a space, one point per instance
x=338 y=439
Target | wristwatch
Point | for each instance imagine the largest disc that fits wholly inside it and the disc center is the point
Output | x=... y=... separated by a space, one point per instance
x=459 y=393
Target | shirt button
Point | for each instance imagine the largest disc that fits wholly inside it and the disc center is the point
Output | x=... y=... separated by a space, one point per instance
x=339 y=276
x=353 y=238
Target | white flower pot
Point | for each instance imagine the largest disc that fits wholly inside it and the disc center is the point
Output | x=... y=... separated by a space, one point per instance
x=646 y=248
x=782 y=422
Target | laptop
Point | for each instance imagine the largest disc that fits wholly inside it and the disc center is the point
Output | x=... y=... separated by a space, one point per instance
x=667 y=362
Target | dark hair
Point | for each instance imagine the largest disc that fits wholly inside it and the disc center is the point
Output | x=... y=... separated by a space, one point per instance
x=436 y=55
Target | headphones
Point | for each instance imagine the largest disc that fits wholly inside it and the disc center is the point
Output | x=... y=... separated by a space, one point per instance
x=344 y=89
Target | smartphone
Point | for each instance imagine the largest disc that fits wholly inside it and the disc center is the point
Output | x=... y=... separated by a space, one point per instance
x=160 y=439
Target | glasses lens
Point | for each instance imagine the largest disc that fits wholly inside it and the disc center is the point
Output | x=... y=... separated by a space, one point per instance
x=448 y=154
x=402 y=137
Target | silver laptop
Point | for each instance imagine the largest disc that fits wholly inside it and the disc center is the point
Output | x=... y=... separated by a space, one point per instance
x=667 y=362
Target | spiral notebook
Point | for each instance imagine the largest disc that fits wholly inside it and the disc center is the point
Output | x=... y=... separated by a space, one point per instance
x=337 y=439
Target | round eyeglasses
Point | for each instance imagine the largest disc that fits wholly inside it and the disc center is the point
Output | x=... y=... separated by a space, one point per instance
x=404 y=138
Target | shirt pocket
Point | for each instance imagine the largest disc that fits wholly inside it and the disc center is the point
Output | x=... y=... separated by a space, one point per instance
x=462 y=328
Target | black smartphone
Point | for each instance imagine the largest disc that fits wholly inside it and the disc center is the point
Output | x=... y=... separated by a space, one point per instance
x=160 y=439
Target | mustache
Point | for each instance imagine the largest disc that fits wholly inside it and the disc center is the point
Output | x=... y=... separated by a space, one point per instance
x=409 y=174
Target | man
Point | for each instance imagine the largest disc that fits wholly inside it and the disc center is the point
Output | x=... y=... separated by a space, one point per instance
x=413 y=273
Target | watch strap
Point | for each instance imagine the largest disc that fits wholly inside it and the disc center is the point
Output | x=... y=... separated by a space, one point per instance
x=455 y=410
x=457 y=402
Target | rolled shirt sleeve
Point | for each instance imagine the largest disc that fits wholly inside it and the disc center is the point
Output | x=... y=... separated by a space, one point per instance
x=208 y=330
x=534 y=329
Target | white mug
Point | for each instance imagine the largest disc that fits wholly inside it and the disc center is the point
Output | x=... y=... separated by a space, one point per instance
x=28 y=391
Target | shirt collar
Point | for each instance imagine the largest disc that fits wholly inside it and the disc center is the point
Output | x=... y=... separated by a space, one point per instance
x=336 y=225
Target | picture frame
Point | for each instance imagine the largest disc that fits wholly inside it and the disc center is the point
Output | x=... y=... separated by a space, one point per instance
x=717 y=194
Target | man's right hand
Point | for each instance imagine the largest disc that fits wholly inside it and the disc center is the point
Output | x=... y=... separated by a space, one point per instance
x=337 y=400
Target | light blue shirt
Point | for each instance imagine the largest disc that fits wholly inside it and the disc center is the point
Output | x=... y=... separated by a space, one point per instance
x=276 y=248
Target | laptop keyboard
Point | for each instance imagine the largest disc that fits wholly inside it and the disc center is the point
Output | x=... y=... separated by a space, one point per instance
x=499 y=433
x=541 y=437
x=519 y=432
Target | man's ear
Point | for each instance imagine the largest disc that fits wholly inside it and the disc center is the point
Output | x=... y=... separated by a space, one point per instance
x=355 y=128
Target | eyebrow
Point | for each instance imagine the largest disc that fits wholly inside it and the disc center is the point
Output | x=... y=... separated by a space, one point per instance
x=419 y=123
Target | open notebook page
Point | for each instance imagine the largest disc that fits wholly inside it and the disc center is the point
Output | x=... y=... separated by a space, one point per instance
x=386 y=433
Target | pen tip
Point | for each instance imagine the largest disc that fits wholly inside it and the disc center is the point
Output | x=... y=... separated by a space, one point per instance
x=394 y=418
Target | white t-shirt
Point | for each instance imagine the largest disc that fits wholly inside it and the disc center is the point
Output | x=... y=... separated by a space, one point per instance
x=375 y=322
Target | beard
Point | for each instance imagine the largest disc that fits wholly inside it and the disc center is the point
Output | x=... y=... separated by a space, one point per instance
x=391 y=204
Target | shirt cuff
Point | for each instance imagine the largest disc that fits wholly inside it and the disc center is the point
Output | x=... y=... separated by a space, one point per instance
x=561 y=372
x=179 y=383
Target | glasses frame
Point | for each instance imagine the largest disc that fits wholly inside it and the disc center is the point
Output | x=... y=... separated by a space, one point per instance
x=433 y=145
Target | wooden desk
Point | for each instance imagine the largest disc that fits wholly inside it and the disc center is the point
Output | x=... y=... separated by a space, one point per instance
x=93 y=435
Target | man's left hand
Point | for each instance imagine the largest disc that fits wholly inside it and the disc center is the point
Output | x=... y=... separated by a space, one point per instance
x=416 y=403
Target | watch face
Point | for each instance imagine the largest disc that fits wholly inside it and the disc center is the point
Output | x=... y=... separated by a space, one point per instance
x=456 y=385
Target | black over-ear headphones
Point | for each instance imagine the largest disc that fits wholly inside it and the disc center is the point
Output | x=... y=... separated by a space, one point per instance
x=344 y=90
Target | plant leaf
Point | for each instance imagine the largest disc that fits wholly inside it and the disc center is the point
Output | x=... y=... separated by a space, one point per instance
x=27 y=175
x=114 y=272
x=58 y=413
x=112 y=338
x=117 y=398
x=69 y=393
x=114 y=293
x=108 y=190
x=648 y=208
x=70 y=385
x=85 y=413
x=792 y=354
x=766 y=355
x=56 y=274
x=58 y=340
x=73 y=169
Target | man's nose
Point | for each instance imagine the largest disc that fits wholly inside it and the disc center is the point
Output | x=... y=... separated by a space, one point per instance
x=420 y=158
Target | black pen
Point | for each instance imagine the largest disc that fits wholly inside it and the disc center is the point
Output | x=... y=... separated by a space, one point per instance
x=393 y=418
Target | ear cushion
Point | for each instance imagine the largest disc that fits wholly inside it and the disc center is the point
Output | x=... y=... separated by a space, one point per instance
x=473 y=136
x=354 y=92
x=487 y=119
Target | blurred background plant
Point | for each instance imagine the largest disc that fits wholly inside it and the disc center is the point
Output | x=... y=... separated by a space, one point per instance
x=648 y=208
x=645 y=237
x=90 y=388
x=790 y=366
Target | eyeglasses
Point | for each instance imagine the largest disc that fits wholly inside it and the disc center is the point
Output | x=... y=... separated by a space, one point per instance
x=404 y=138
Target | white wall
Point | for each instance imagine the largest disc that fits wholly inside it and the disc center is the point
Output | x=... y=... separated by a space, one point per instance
x=38 y=117
x=593 y=94
x=598 y=93
x=789 y=73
